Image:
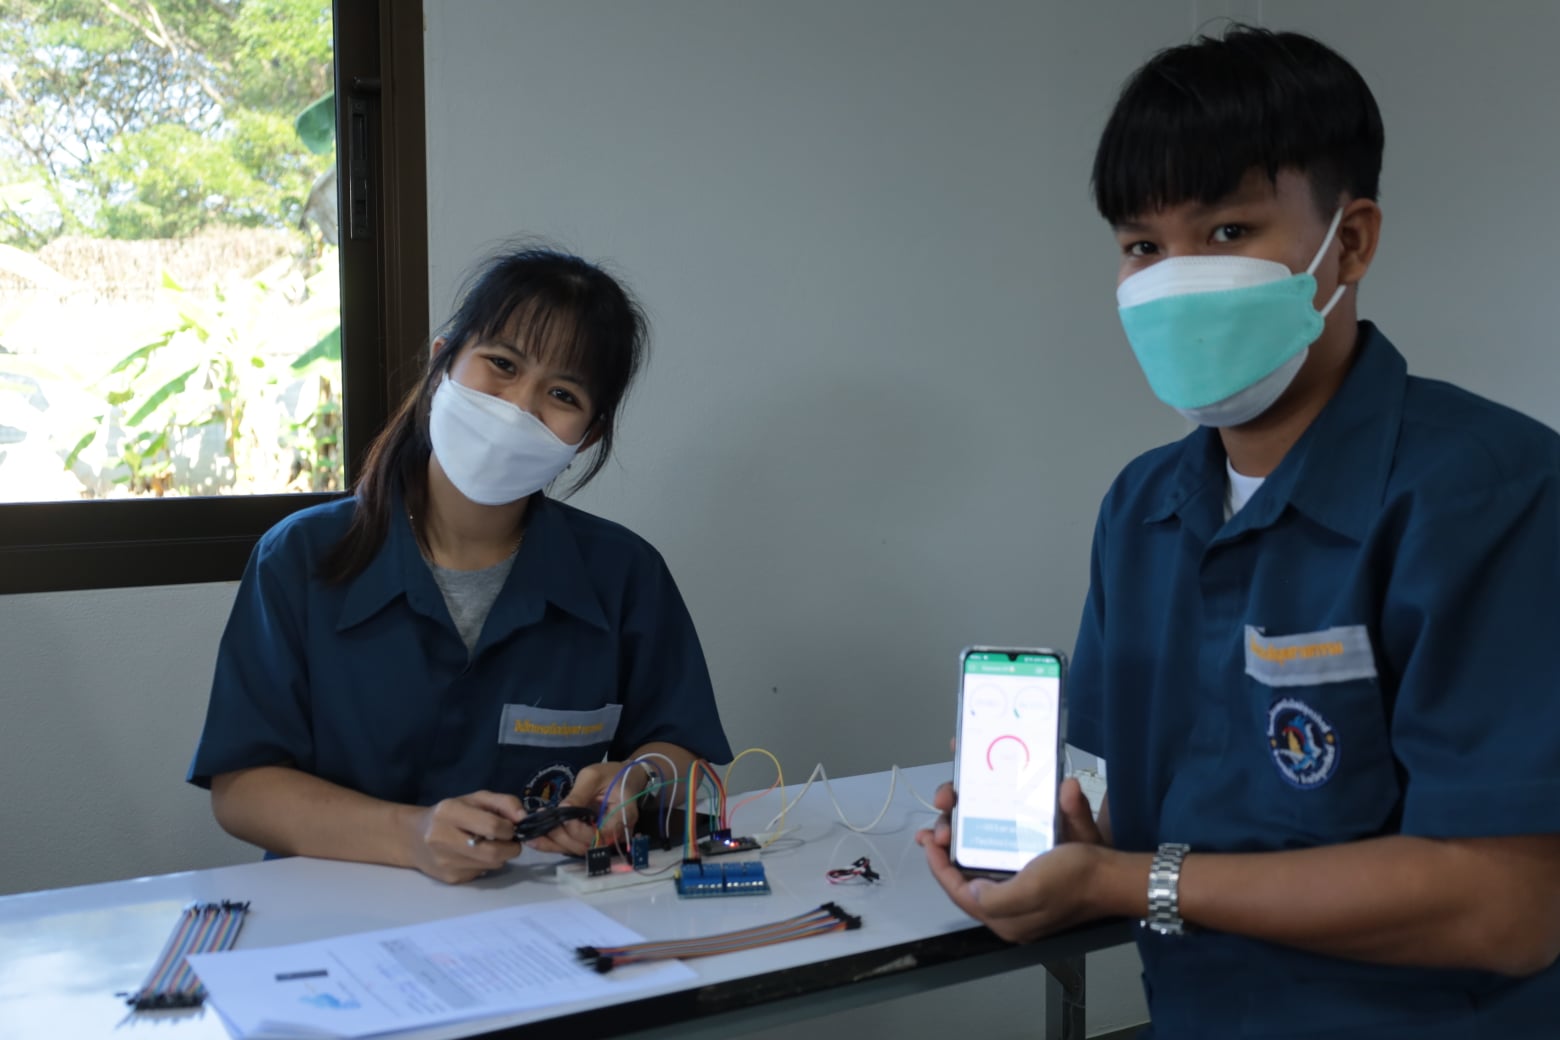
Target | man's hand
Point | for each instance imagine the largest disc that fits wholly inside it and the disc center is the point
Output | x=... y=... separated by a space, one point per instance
x=463 y=838
x=1054 y=891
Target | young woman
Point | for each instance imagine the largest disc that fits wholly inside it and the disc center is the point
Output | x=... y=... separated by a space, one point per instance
x=409 y=672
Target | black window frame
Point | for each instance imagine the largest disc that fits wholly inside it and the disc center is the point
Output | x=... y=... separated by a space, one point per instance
x=382 y=171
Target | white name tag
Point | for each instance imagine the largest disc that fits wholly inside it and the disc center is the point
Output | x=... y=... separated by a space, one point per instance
x=1332 y=655
x=548 y=727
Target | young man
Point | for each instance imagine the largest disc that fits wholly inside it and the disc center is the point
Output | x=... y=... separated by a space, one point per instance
x=1319 y=647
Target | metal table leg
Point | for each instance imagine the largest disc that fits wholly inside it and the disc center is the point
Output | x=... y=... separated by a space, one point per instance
x=1064 y=998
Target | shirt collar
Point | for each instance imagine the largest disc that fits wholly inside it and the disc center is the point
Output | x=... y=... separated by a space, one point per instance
x=548 y=569
x=1336 y=474
x=1201 y=465
x=390 y=574
x=1342 y=463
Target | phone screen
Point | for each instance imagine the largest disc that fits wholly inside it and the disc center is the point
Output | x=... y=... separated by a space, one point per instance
x=1006 y=769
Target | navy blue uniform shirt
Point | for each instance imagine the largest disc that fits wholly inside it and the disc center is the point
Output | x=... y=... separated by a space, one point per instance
x=1367 y=648
x=588 y=653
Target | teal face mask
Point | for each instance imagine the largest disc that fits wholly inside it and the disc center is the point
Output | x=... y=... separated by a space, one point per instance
x=1220 y=338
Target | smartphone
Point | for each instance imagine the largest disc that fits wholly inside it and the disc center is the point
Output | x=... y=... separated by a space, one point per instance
x=1007 y=766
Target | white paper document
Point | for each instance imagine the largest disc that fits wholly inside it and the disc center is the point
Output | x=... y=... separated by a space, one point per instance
x=493 y=963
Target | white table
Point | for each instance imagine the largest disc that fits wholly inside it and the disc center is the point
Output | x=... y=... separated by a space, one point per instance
x=64 y=953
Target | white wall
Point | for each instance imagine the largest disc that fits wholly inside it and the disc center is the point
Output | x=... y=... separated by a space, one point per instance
x=102 y=695
x=882 y=312
x=1464 y=280
x=883 y=339
x=863 y=233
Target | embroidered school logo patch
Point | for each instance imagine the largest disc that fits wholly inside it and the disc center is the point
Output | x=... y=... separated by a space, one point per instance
x=1303 y=745
x=547 y=788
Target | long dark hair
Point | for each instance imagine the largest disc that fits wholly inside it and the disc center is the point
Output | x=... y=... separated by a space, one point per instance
x=573 y=311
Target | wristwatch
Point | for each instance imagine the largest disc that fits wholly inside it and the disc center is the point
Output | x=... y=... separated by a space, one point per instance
x=1164 y=890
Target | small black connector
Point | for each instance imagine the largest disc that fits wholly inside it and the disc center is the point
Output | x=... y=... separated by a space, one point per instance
x=603 y=965
x=587 y=953
x=164 y=1001
x=852 y=922
x=598 y=861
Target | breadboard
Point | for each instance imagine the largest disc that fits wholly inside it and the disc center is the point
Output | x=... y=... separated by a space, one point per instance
x=663 y=868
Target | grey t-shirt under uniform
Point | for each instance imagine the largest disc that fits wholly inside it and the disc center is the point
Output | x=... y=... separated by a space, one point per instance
x=469 y=595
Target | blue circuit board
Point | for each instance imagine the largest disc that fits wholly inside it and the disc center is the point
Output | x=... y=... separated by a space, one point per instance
x=703 y=880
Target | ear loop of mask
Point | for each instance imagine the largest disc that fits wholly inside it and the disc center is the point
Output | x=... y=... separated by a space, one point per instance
x=1332 y=229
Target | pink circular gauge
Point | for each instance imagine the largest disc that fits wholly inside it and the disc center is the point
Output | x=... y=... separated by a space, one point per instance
x=1006 y=752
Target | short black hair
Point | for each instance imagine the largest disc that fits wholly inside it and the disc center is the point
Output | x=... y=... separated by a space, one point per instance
x=1196 y=118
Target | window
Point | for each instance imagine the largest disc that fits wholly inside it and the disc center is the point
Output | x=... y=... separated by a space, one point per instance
x=195 y=338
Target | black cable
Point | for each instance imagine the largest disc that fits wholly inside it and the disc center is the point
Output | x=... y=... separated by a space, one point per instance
x=545 y=821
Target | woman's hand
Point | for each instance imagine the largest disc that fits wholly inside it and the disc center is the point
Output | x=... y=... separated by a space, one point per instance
x=464 y=838
x=1054 y=891
x=575 y=837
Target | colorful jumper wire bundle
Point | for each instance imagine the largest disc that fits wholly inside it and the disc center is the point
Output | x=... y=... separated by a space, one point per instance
x=702 y=778
x=827 y=918
x=202 y=928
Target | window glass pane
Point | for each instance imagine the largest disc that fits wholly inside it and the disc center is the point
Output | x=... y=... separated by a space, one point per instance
x=169 y=281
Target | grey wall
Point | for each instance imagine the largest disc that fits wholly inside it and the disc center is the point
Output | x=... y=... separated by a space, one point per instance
x=883 y=338
x=102 y=695
x=1464 y=281
x=882 y=310
x=888 y=386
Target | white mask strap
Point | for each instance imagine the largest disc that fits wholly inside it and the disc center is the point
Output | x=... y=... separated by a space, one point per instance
x=1332 y=229
x=1335 y=298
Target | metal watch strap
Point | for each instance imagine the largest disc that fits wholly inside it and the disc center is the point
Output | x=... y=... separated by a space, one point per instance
x=1164 y=890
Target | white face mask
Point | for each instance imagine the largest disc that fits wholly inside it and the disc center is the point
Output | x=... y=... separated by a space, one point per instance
x=492 y=451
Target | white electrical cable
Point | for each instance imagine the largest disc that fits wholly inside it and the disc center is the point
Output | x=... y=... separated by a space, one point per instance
x=671 y=772
x=818 y=772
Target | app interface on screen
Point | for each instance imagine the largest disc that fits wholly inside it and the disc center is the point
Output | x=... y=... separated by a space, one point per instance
x=1007 y=759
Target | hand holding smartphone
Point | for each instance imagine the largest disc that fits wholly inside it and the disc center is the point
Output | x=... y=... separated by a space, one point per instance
x=1008 y=759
